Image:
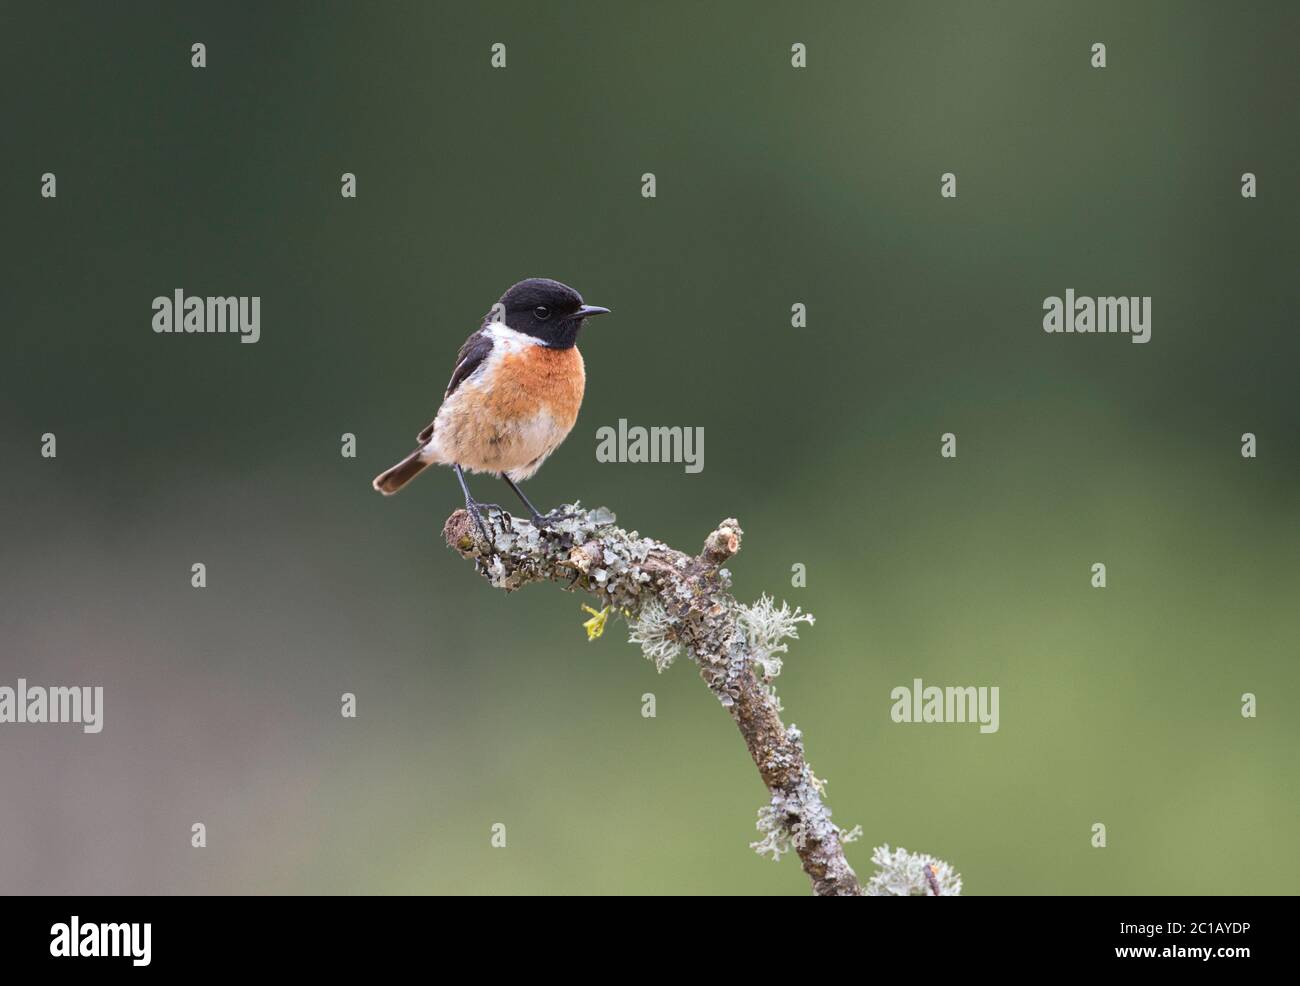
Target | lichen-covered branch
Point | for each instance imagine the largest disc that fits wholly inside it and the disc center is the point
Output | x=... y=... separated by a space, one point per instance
x=678 y=601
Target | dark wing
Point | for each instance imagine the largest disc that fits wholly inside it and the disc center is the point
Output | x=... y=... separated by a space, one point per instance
x=471 y=355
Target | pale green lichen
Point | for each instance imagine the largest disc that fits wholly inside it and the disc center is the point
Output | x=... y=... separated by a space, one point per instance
x=794 y=816
x=791 y=819
x=763 y=627
x=653 y=630
x=904 y=874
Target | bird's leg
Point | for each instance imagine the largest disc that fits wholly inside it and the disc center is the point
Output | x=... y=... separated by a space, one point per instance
x=539 y=520
x=472 y=506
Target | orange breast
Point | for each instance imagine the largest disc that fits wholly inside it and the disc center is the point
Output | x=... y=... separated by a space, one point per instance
x=540 y=379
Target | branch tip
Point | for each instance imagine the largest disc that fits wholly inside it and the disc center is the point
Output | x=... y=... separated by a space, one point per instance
x=724 y=542
x=461 y=534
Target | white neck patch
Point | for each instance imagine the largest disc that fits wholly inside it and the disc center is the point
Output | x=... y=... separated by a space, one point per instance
x=508 y=339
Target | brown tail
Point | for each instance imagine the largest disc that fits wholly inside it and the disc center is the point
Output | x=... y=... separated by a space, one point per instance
x=391 y=480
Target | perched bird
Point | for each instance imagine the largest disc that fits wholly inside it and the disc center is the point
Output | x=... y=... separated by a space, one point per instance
x=513 y=397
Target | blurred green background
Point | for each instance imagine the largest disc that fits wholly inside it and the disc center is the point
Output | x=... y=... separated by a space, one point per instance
x=775 y=186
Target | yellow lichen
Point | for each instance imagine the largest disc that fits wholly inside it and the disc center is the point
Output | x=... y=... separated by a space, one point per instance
x=596 y=625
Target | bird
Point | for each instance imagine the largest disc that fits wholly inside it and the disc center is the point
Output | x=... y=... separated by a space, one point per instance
x=513 y=396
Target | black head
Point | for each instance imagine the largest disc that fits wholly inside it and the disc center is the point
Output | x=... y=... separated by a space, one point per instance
x=544 y=309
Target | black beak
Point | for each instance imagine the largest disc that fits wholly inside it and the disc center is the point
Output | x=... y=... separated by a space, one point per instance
x=586 y=311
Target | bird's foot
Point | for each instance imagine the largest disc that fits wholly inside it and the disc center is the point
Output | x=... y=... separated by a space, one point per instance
x=476 y=510
x=548 y=526
x=487 y=508
x=547 y=521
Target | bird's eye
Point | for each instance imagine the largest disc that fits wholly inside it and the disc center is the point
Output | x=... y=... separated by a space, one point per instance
x=542 y=313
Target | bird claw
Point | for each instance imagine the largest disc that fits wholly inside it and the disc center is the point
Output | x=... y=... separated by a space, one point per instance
x=475 y=510
x=544 y=524
x=544 y=521
x=487 y=508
